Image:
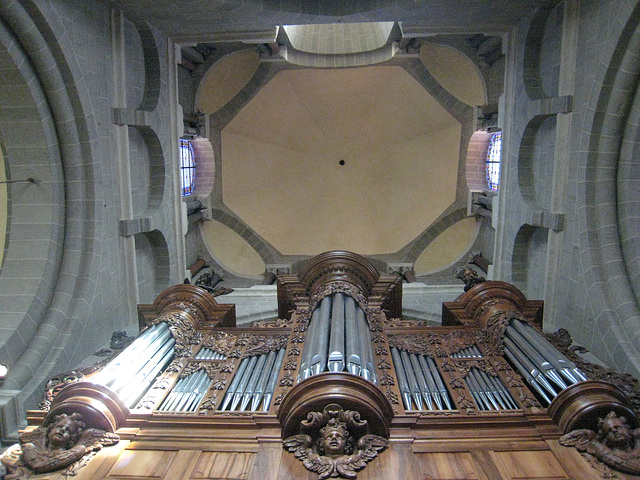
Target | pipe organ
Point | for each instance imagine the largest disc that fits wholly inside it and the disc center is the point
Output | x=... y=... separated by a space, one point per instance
x=483 y=395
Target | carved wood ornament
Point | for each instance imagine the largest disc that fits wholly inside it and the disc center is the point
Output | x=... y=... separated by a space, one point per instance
x=336 y=444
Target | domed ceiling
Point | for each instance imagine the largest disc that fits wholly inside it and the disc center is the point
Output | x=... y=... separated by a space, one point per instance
x=361 y=159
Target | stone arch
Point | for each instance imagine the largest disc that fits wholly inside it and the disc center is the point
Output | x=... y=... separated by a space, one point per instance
x=528 y=262
x=60 y=313
x=531 y=161
x=152 y=166
x=536 y=38
x=608 y=281
x=152 y=255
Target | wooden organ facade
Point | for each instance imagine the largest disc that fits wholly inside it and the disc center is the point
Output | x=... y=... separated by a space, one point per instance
x=340 y=386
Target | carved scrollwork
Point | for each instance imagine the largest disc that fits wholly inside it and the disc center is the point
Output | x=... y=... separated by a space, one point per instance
x=335 y=443
x=261 y=344
x=220 y=342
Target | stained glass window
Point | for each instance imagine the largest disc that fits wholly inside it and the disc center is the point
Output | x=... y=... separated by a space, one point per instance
x=493 y=161
x=187 y=167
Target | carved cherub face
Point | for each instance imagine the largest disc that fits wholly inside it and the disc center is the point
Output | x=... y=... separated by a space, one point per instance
x=335 y=441
x=64 y=431
x=616 y=433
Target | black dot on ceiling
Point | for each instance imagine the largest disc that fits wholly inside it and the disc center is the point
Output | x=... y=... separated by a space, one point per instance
x=341 y=162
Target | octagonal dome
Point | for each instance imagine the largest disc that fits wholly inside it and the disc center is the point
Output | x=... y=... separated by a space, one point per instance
x=360 y=159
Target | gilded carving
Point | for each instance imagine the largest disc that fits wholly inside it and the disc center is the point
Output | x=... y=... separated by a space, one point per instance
x=615 y=444
x=336 y=443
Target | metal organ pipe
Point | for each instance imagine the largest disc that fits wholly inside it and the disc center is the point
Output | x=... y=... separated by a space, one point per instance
x=130 y=373
x=336 y=342
x=338 y=339
x=254 y=383
x=546 y=369
x=418 y=380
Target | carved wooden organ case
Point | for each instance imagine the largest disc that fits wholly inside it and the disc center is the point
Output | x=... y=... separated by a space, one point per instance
x=341 y=355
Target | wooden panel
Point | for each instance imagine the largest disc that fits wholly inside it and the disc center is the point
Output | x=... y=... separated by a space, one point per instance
x=531 y=465
x=148 y=464
x=447 y=466
x=267 y=461
x=223 y=465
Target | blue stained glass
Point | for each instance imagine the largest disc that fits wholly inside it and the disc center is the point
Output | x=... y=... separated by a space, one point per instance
x=187 y=167
x=493 y=161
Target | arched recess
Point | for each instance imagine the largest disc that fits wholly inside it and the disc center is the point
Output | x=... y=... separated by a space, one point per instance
x=535 y=161
x=538 y=38
x=205 y=166
x=150 y=162
x=153 y=265
x=528 y=260
x=152 y=72
x=609 y=285
x=476 y=162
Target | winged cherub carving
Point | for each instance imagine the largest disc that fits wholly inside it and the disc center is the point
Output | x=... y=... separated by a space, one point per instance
x=335 y=452
x=64 y=441
x=615 y=444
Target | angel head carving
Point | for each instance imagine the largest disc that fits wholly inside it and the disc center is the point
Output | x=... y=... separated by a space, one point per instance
x=335 y=439
x=615 y=444
x=336 y=443
x=614 y=432
x=61 y=443
x=64 y=431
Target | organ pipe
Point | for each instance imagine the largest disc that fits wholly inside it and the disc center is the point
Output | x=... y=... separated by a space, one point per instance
x=338 y=339
x=254 y=383
x=131 y=372
x=546 y=369
x=418 y=380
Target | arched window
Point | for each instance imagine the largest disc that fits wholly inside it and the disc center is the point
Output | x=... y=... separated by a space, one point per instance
x=493 y=161
x=187 y=167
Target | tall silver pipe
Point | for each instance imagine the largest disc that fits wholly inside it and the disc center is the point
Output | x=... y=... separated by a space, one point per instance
x=411 y=378
x=367 y=346
x=336 y=341
x=422 y=382
x=354 y=360
x=234 y=383
x=189 y=390
x=141 y=382
x=531 y=367
x=110 y=372
x=164 y=361
x=310 y=346
x=529 y=372
x=273 y=380
x=431 y=383
x=490 y=392
x=503 y=392
x=478 y=396
x=536 y=357
x=253 y=381
x=237 y=396
x=567 y=368
x=319 y=359
x=129 y=370
x=441 y=388
x=258 y=392
x=403 y=385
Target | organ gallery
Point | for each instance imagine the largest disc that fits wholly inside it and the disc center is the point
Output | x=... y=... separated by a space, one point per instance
x=340 y=386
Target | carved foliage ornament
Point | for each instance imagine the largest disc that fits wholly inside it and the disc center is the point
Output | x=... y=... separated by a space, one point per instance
x=62 y=443
x=336 y=443
x=615 y=445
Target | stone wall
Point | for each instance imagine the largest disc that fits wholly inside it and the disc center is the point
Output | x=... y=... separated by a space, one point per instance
x=86 y=109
